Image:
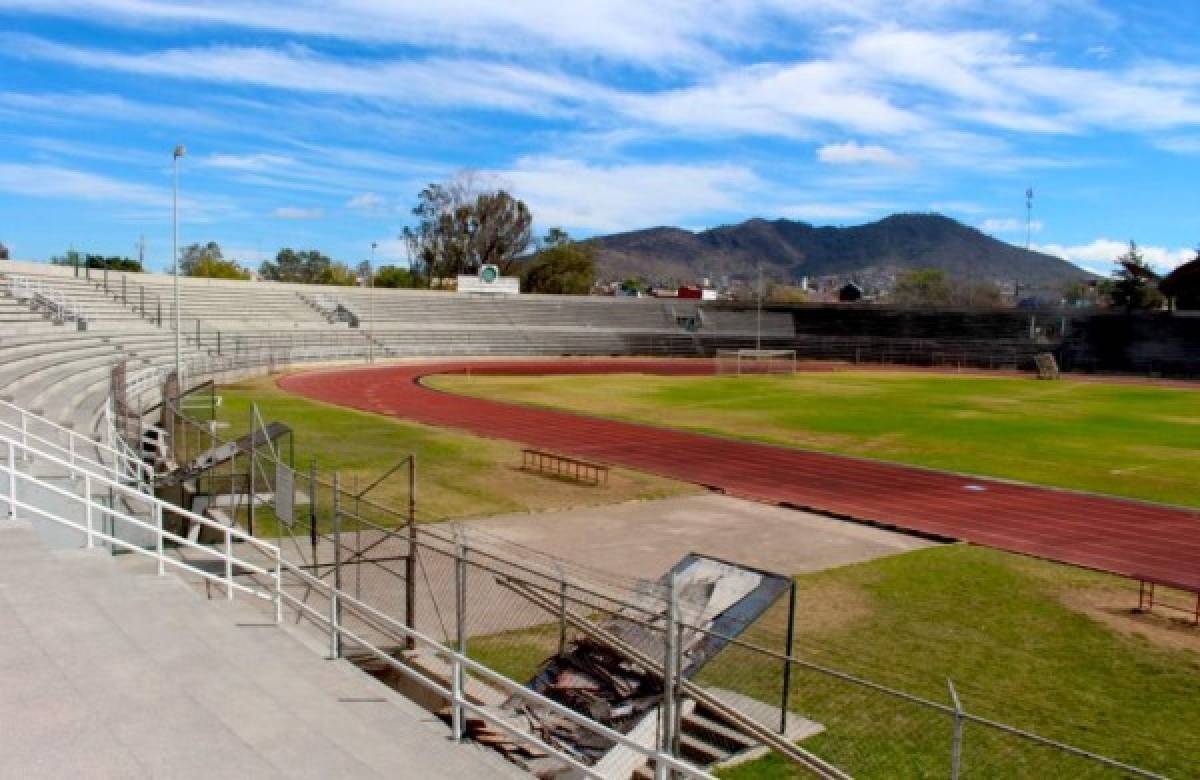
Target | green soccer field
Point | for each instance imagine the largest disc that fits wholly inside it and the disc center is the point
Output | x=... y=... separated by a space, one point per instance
x=1137 y=441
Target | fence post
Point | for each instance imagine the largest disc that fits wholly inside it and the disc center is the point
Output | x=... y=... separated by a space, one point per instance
x=337 y=555
x=410 y=563
x=252 y=496
x=158 y=546
x=956 y=743
x=666 y=712
x=142 y=300
x=460 y=631
x=787 y=664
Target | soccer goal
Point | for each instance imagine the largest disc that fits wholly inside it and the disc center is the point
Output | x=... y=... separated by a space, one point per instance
x=735 y=362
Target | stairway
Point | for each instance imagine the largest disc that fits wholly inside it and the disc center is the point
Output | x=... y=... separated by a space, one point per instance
x=110 y=670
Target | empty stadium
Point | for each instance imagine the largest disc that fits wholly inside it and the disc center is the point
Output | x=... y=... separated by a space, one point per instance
x=228 y=552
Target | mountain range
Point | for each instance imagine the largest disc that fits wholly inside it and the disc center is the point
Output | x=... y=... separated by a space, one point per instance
x=790 y=251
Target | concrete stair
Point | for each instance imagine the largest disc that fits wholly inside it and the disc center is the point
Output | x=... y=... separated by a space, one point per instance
x=108 y=670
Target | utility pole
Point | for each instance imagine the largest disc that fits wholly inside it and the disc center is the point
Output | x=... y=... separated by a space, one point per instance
x=179 y=152
x=1028 y=216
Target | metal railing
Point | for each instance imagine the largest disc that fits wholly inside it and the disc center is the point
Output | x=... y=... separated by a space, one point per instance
x=98 y=458
x=37 y=293
x=274 y=569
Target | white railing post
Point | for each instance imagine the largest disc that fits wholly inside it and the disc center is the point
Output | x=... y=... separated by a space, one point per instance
x=158 y=543
x=278 y=587
x=87 y=508
x=71 y=450
x=229 y=564
x=334 y=629
x=12 y=482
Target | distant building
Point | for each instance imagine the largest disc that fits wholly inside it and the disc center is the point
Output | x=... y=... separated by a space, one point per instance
x=697 y=292
x=3 y=252
x=850 y=293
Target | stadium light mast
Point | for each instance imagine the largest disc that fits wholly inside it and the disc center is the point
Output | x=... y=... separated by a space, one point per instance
x=371 y=305
x=179 y=152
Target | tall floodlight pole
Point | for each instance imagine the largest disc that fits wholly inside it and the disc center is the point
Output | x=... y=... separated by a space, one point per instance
x=371 y=305
x=758 y=323
x=179 y=152
x=1028 y=216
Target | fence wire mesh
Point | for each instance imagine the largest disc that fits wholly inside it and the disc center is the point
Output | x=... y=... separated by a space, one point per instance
x=522 y=612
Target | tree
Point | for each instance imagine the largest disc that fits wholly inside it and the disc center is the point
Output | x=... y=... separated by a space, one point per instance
x=395 y=277
x=459 y=228
x=1182 y=285
x=922 y=287
x=194 y=254
x=308 y=266
x=112 y=263
x=562 y=267
x=635 y=285
x=218 y=268
x=1134 y=284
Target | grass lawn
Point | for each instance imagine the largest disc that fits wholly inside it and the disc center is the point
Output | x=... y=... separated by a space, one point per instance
x=1008 y=630
x=458 y=475
x=1137 y=441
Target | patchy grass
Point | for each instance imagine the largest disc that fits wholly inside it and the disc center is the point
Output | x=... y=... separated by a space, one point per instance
x=999 y=625
x=1137 y=441
x=458 y=475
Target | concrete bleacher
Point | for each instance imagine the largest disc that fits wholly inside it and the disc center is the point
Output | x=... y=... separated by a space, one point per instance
x=111 y=671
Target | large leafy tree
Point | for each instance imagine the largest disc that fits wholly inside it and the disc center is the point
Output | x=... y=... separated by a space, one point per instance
x=459 y=228
x=1134 y=284
x=394 y=276
x=562 y=267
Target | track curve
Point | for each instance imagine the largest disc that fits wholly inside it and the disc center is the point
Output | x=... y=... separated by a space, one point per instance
x=1134 y=539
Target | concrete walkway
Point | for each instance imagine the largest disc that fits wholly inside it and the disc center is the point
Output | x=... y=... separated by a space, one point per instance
x=108 y=673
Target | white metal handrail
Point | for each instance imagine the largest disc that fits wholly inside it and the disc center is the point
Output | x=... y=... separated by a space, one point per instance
x=274 y=569
x=462 y=663
x=77 y=445
x=61 y=306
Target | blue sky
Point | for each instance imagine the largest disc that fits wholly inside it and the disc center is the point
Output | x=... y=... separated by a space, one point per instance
x=314 y=124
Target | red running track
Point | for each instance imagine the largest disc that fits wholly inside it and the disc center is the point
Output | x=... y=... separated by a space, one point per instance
x=1135 y=539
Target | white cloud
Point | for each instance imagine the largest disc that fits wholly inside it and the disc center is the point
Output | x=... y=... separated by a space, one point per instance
x=296 y=212
x=367 y=201
x=1009 y=225
x=1180 y=144
x=815 y=211
x=854 y=153
x=1100 y=255
x=604 y=198
x=246 y=162
x=51 y=181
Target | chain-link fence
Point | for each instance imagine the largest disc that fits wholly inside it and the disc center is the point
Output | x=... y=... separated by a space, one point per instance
x=622 y=651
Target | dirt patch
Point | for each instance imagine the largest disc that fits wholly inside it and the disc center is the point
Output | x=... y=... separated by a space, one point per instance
x=1117 y=609
x=829 y=608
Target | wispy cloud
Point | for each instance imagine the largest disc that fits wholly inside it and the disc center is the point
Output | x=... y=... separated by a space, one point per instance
x=51 y=181
x=297 y=212
x=577 y=195
x=1009 y=225
x=854 y=153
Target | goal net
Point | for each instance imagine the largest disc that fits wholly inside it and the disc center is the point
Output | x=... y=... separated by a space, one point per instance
x=735 y=362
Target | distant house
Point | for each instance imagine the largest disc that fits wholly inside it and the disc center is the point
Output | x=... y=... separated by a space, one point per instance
x=850 y=293
x=697 y=292
x=1182 y=286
